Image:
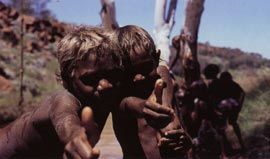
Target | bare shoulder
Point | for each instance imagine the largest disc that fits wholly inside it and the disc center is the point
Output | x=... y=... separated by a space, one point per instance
x=64 y=96
x=58 y=100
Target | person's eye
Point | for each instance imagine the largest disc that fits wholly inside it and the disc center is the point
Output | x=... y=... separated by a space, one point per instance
x=145 y=68
x=89 y=80
x=114 y=76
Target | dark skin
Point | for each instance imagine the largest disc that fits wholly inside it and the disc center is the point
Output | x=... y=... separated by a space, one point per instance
x=55 y=128
x=233 y=90
x=35 y=134
x=156 y=116
x=57 y=119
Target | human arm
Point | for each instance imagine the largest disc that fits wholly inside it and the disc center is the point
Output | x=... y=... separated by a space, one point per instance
x=155 y=114
x=65 y=118
x=159 y=112
x=172 y=139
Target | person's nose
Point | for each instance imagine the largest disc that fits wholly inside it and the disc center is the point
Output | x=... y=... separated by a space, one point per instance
x=104 y=85
x=138 y=77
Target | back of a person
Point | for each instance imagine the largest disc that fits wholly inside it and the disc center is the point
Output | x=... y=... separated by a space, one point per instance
x=234 y=91
x=230 y=89
x=215 y=88
x=211 y=72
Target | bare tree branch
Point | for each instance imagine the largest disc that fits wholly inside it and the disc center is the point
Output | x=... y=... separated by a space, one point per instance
x=108 y=14
x=171 y=12
x=187 y=41
x=160 y=8
x=193 y=13
x=164 y=26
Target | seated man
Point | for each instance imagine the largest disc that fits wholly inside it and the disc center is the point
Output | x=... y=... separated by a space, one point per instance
x=93 y=72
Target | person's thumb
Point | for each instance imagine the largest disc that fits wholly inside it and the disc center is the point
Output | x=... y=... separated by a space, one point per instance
x=87 y=117
x=158 y=90
x=95 y=153
x=87 y=121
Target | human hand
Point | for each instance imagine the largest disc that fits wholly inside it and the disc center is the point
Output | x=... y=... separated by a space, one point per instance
x=80 y=148
x=81 y=144
x=87 y=121
x=175 y=142
x=157 y=115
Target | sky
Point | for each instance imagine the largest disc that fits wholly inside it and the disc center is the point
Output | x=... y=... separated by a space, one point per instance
x=243 y=24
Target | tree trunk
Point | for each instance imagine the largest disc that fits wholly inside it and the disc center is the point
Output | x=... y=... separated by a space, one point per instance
x=186 y=43
x=108 y=14
x=163 y=27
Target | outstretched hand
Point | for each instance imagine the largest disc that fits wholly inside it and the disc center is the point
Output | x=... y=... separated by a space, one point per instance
x=175 y=140
x=80 y=146
x=172 y=139
x=156 y=115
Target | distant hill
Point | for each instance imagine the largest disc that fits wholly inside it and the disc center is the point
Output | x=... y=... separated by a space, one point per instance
x=227 y=58
x=40 y=63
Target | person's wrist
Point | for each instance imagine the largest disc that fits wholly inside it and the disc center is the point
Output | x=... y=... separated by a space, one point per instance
x=80 y=131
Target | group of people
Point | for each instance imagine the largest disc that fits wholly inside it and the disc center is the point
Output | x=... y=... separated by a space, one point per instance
x=103 y=72
x=208 y=107
x=118 y=72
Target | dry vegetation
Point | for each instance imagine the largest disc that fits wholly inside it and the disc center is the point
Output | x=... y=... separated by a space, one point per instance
x=252 y=72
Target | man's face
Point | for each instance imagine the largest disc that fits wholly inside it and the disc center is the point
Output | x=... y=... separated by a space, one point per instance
x=144 y=75
x=97 y=80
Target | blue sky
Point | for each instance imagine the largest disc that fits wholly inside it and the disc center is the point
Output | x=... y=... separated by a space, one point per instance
x=243 y=24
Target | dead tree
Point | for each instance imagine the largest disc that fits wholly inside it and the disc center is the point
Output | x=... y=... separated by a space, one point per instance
x=186 y=42
x=108 y=14
x=163 y=27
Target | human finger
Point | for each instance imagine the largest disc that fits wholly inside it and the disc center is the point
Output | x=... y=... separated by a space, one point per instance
x=179 y=148
x=158 y=90
x=70 y=152
x=150 y=114
x=156 y=120
x=174 y=133
x=95 y=153
x=87 y=116
x=159 y=108
x=164 y=141
x=83 y=148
